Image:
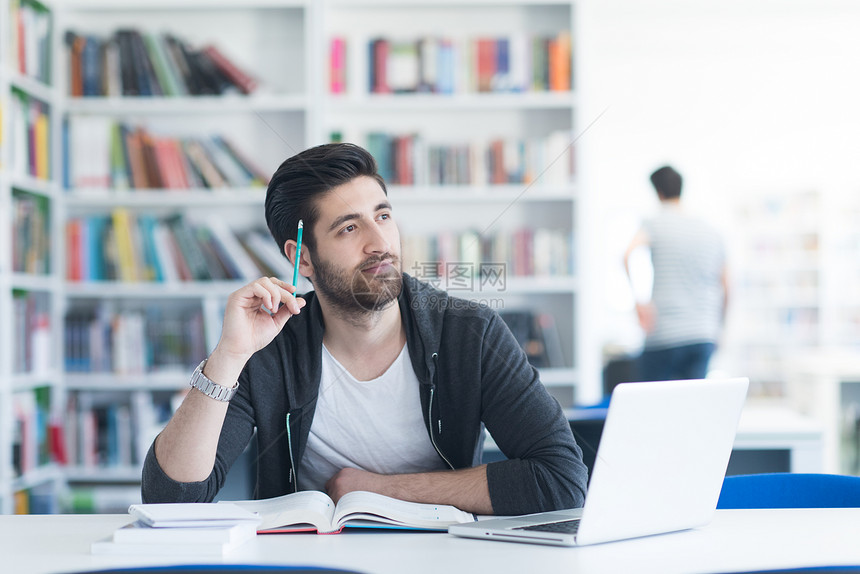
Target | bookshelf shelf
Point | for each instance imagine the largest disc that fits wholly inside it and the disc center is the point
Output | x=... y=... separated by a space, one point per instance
x=31 y=381
x=183 y=106
x=384 y=103
x=30 y=85
x=103 y=475
x=35 y=186
x=186 y=5
x=166 y=198
x=504 y=194
x=31 y=282
x=38 y=476
x=167 y=381
x=151 y=291
x=399 y=4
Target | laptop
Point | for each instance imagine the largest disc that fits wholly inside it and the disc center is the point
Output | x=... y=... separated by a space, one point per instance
x=659 y=468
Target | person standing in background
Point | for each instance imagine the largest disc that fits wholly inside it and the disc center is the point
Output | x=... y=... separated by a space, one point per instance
x=685 y=316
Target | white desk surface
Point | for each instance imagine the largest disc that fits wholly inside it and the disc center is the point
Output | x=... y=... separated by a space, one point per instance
x=736 y=540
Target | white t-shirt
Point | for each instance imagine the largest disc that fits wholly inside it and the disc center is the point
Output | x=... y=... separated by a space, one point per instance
x=374 y=425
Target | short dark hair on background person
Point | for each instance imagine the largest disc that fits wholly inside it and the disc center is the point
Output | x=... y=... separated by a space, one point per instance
x=667 y=182
x=301 y=179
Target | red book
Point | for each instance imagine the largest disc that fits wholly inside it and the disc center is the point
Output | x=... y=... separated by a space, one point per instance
x=134 y=145
x=380 y=67
x=57 y=442
x=240 y=78
x=498 y=176
x=174 y=154
x=486 y=64
x=73 y=250
x=167 y=169
x=22 y=43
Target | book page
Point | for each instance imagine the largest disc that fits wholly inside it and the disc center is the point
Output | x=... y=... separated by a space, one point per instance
x=309 y=507
x=378 y=508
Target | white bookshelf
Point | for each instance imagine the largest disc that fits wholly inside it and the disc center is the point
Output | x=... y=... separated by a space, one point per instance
x=465 y=116
x=777 y=304
x=285 y=43
x=29 y=354
x=272 y=41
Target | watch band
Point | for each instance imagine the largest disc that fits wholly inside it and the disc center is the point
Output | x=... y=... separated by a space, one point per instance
x=209 y=387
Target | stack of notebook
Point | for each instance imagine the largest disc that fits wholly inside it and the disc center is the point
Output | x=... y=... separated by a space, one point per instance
x=181 y=529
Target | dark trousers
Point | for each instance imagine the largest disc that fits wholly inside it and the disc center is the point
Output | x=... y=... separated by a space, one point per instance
x=675 y=363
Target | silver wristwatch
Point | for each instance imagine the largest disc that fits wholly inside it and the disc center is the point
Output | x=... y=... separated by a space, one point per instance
x=209 y=387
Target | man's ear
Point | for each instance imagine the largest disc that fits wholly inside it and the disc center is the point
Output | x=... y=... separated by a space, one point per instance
x=306 y=268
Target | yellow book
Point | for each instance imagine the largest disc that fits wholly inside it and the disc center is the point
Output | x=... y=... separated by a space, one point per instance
x=22 y=502
x=42 y=146
x=128 y=265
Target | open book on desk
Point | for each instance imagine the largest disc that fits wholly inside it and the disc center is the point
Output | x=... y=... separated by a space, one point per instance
x=312 y=510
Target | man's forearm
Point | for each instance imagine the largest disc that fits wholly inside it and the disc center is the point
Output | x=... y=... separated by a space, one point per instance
x=186 y=448
x=466 y=488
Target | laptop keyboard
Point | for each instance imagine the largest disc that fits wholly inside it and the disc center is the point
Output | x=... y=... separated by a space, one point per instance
x=564 y=527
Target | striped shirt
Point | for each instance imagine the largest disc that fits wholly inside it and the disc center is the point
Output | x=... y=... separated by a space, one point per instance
x=688 y=257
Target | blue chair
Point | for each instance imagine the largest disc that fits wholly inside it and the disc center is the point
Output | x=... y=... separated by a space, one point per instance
x=790 y=490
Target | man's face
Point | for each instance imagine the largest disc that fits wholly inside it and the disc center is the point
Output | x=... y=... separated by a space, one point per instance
x=356 y=261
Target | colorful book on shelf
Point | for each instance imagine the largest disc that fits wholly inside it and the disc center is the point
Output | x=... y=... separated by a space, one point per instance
x=402 y=74
x=167 y=79
x=314 y=511
x=379 y=53
x=559 y=62
x=337 y=65
x=123 y=223
x=28 y=46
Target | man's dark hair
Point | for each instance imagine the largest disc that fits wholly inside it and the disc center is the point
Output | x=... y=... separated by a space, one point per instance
x=667 y=182
x=302 y=179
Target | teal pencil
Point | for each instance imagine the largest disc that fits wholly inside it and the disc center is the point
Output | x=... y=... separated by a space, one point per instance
x=298 y=254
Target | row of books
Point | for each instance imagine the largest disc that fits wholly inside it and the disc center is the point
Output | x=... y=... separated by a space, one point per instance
x=105 y=430
x=134 y=63
x=31 y=249
x=101 y=153
x=30 y=136
x=29 y=40
x=459 y=259
x=40 y=499
x=411 y=159
x=37 y=435
x=104 y=340
x=31 y=314
x=517 y=63
x=130 y=247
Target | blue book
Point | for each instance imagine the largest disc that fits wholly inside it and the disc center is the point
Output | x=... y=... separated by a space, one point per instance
x=501 y=81
x=91 y=66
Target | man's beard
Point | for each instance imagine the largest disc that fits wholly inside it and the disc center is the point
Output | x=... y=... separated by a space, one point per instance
x=357 y=293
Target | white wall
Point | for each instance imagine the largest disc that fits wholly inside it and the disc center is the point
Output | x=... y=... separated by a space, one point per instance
x=738 y=95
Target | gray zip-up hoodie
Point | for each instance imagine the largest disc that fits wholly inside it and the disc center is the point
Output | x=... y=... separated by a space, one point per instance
x=472 y=373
